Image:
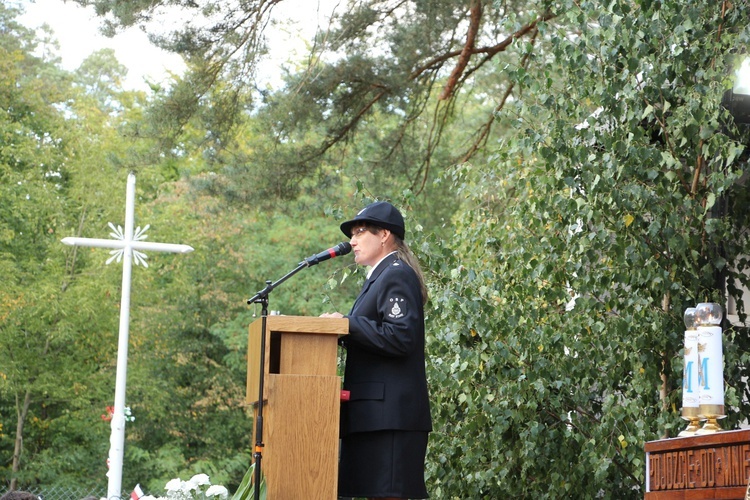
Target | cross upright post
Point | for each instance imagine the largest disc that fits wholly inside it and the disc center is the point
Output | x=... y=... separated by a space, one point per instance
x=127 y=245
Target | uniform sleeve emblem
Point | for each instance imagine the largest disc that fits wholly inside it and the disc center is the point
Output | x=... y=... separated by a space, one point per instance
x=396 y=311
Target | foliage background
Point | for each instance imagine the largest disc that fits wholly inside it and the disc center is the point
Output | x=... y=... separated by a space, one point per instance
x=570 y=193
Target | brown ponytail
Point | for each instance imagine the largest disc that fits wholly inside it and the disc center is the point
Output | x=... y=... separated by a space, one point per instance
x=405 y=254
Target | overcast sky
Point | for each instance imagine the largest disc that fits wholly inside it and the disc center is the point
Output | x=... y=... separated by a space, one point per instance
x=76 y=29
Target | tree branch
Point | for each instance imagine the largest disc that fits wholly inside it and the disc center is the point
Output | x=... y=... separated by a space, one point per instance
x=484 y=130
x=490 y=51
x=475 y=16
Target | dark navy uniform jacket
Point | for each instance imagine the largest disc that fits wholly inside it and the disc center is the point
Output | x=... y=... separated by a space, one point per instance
x=385 y=360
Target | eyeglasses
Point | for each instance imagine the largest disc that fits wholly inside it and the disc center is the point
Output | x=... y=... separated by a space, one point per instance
x=358 y=231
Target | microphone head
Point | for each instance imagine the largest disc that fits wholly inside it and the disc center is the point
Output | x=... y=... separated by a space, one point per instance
x=342 y=248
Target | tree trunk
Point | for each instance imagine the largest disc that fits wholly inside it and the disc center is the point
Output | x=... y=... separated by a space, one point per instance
x=663 y=392
x=21 y=411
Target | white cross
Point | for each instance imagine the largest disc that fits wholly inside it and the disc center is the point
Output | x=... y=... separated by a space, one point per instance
x=127 y=247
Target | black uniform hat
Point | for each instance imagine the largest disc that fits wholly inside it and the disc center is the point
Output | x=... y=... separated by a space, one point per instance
x=380 y=214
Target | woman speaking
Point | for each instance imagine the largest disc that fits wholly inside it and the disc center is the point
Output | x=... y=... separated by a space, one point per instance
x=386 y=422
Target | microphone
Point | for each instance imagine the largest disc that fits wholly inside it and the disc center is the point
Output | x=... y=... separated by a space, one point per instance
x=342 y=248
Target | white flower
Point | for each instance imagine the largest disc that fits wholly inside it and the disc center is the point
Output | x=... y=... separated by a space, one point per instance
x=200 y=479
x=188 y=486
x=217 y=491
x=199 y=487
x=174 y=485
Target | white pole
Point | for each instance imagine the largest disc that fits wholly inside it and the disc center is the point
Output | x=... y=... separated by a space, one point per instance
x=117 y=437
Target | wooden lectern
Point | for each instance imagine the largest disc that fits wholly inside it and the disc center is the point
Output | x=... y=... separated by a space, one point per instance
x=708 y=466
x=302 y=394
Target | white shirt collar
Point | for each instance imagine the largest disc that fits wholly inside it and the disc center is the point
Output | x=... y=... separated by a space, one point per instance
x=369 y=272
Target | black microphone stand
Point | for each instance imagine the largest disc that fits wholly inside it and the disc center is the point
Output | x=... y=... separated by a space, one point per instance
x=262 y=298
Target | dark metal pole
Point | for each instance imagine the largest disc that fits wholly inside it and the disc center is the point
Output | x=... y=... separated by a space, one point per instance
x=258 y=450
